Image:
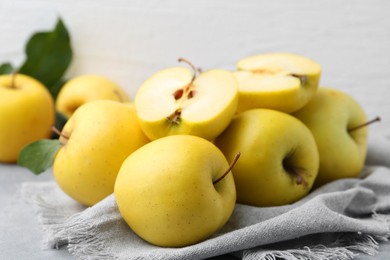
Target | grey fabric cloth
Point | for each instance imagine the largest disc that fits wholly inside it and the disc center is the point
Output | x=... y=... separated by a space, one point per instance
x=336 y=221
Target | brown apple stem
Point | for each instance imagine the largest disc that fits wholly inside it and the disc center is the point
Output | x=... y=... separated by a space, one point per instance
x=59 y=133
x=376 y=119
x=182 y=94
x=192 y=67
x=187 y=91
x=235 y=159
x=120 y=99
x=13 y=77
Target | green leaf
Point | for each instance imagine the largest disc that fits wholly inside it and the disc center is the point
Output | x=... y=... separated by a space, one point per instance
x=39 y=156
x=6 y=68
x=55 y=89
x=49 y=54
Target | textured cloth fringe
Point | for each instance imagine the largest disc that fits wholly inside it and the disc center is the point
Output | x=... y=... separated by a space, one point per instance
x=346 y=246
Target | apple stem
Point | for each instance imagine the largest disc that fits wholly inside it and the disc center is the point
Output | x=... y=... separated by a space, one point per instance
x=183 y=94
x=195 y=70
x=235 y=159
x=187 y=92
x=13 y=79
x=376 y=119
x=120 y=99
x=59 y=133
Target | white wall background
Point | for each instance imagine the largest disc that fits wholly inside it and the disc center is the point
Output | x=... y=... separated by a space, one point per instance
x=129 y=40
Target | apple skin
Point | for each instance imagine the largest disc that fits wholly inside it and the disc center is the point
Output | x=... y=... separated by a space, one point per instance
x=271 y=144
x=281 y=92
x=101 y=135
x=26 y=114
x=329 y=115
x=165 y=191
x=86 y=88
x=205 y=115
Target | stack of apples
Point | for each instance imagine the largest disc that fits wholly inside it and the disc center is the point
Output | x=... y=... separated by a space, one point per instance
x=192 y=144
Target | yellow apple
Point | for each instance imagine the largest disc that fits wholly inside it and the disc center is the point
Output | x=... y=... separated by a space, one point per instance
x=86 y=88
x=96 y=140
x=280 y=81
x=330 y=116
x=169 y=194
x=279 y=158
x=26 y=114
x=176 y=101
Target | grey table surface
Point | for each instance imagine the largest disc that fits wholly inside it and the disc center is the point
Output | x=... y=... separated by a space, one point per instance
x=21 y=236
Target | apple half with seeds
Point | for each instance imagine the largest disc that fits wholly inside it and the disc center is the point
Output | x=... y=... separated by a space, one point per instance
x=280 y=81
x=180 y=101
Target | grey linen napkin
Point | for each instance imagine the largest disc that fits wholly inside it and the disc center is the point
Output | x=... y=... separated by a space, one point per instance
x=336 y=221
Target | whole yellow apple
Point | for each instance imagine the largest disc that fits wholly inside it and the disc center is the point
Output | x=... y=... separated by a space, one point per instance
x=82 y=89
x=279 y=157
x=170 y=191
x=26 y=114
x=96 y=140
x=331 y=115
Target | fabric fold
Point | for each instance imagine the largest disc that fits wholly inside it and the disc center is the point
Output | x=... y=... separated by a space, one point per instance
x=353 y=210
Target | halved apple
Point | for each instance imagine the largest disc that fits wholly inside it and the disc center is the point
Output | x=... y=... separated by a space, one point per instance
x=179 y=101
x=280 y=81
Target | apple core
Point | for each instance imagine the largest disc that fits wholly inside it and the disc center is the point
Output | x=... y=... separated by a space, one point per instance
x=279 y=72
x=183 y=94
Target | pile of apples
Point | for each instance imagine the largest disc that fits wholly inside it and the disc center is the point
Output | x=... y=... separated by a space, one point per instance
x=193 y=143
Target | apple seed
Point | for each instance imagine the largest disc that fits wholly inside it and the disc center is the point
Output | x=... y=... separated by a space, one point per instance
x=178 y=94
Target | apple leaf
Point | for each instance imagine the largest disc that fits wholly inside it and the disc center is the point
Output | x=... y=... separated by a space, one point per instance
x=6 y=68
x=39 y=156
x=55 y=89
x=49 y=54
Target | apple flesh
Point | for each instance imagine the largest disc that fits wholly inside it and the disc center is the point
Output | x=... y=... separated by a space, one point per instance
x=279 y=158
x=280 y=81
x=165 y=191
x=86 y=88
x=331 y=115
x=96 y=139
x=26 y=114
x=174 y=101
